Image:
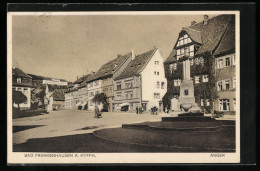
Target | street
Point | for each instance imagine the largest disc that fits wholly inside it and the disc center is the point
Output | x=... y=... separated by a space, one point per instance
x=72 y=122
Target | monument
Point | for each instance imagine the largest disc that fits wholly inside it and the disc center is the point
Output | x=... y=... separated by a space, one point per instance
x=186 y=103
x=187 y=99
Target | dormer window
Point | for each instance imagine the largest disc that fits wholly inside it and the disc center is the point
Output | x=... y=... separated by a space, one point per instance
x=19 y=80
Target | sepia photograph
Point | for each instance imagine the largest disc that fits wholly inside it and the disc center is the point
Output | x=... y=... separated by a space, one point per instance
x=123 y=87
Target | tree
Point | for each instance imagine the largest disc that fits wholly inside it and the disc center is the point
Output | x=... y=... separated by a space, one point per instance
x=18 y=98
x=101 y=98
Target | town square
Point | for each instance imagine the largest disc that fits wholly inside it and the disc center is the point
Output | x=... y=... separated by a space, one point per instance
x=124 y=83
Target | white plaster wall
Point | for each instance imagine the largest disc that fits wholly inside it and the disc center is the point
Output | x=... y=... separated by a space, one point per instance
x=149 y=80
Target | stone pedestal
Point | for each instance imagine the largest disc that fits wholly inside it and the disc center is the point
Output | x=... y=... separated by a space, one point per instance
x=187 y=99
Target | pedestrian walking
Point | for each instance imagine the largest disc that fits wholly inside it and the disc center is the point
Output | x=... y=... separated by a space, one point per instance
x=136 y=109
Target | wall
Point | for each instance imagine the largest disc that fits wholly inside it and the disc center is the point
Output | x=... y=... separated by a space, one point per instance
x=228 y=72
x=149 y=81
x=96 y=88
x=55 y=82
x=125 y=93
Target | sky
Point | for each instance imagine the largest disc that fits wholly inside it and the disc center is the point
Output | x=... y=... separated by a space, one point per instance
x=68 y=46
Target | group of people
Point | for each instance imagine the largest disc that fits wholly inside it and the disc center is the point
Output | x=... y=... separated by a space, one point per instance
x=154 y=110
x=139 y=110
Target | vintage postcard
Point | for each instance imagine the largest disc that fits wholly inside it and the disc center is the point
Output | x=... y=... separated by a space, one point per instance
x=123 y=87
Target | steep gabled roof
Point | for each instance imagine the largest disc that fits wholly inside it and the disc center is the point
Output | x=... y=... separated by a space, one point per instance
x=137 y=65
x=217 y=36
x=19 y=73
x=212 y=32
x=195 y=35
x=110 y=67
x=171 y=58
x=81 y=79
x=227 y=43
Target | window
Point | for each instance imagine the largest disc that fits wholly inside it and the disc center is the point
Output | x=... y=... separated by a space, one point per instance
x=154 y=72
x=162 y=85
x=197 y=61
x=157 y=95
x=220 y=63
x=91 y=94
x=118 y=96
x=118 y=86
x=234 y=82
x=197 y=79
x=177 y=82
x=91 y=84
x=171 y=68
x=157 y=73
x=227 y=61
x=227 y=84
x=19 y=89
x=19 y=80
x=158 y=84
x=234 y=59
x=220 y=86
x=126 y=96
x=156 y=62
x=205 y=78
x=186 y=92
x=234 y=104
x=224 y=104
x=128 y=85
x=131 y=95
x=175 y=66
x=25 y=91
x=186 y=51
x=96 y=82
x=201 y=60
x=191 y=61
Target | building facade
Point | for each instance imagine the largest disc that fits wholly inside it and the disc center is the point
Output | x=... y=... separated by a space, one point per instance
x=212 y=60
x=102 y=80
x=22 y=82
x=142 y=84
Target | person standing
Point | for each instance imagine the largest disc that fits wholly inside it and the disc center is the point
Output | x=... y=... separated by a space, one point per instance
x=136 y=109
x=96 y=112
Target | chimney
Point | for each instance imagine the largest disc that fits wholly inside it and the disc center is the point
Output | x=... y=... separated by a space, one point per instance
x=133 y=54
x=193 y=22
x=205 y=21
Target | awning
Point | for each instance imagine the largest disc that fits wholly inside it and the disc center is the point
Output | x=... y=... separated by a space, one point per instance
x=124 y=104
x=78 y=104
x=84 y=103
